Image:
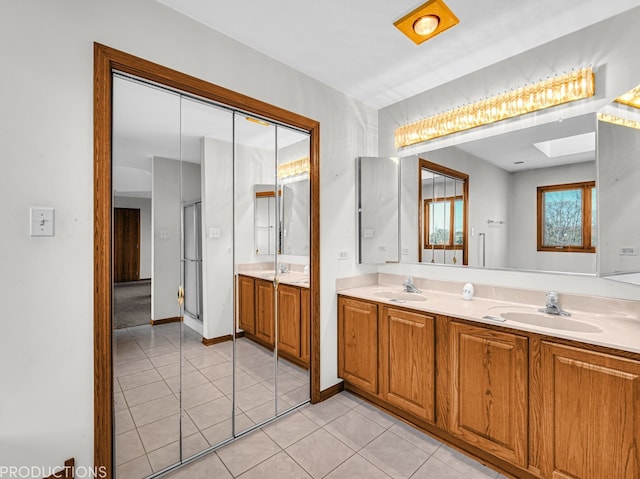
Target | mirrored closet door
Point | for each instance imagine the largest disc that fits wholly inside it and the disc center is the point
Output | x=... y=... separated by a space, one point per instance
x=211 y=335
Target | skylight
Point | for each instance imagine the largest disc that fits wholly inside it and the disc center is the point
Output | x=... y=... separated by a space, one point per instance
x=569 y=145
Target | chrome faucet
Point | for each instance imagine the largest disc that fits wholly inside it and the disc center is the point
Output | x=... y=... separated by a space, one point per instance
x=282 y=268
x=552 y=306
x=409 y=287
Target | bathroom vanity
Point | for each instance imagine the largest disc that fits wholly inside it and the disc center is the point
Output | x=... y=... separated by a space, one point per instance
x=256 y=312
x=531 y=394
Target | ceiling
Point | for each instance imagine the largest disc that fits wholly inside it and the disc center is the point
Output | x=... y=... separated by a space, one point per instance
x=149 y=122
x=353 y=46
x=516 y=150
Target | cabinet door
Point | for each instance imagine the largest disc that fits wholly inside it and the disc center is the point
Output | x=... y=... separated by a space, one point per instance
x=489 y=390
x=358 y=343
x=289 y=320
x=305 y=325
x=246 y=304
x=265 y=320
x=591 y=414
x=407 y=361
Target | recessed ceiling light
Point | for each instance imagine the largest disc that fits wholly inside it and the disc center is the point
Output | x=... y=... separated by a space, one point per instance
x=427 y=21
x=426 y=25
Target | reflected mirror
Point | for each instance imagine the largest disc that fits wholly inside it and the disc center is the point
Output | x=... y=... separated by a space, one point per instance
x=442 y=214
x=505 y=215
x=378 y=214
x=202 y=320
x=619 y=177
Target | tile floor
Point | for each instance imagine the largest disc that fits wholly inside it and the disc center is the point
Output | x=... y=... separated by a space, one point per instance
x=342 y=437
x=148 y=361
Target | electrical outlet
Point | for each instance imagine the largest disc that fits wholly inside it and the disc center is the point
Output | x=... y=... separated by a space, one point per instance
x=343 y=254
x=629 y=251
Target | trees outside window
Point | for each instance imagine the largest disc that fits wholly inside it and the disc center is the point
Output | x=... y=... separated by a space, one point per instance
x=567 y=217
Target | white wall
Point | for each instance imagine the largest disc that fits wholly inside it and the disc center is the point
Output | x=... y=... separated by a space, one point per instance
x=608 y=47
x=144 y=205
x=217 y=253
x=166 y=210
x=522 y=222
x=46 y=411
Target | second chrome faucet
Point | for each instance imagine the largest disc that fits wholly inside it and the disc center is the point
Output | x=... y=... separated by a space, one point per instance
x=552 y=305
x=409 y=287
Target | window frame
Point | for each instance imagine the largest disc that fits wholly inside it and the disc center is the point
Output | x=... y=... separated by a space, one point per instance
x=587 y=188
x=427 y=216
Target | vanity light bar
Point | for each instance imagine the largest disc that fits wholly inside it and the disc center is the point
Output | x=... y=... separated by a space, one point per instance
x=631 y=98
x=569 y=87
x=293 y=168
x=616 y=120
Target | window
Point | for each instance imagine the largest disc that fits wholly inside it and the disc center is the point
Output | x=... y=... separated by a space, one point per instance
x=567 y=217
x=440 y=214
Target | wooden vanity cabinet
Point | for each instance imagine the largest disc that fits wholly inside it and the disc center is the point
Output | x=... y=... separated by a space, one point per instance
x=358 y=343
x=488 y=399
x=289 y=324
x=590 y=414
x=407 y=361
x=246 y=304
x=264 y=298
x=529 y=405
x=305 y=326
x=256 y=317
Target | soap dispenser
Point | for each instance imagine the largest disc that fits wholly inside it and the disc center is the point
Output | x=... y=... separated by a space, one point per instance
x=467 y=292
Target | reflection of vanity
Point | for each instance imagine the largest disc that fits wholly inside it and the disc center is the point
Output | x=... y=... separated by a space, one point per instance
x=256 y=312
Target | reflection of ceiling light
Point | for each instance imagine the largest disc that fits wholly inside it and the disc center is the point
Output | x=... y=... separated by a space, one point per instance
x=294 y=168
x=616 y=120
x=255 y=120
x=552 y=92
x=427 y=21
x=426 y=25
x=569 y=145
x=631 y=98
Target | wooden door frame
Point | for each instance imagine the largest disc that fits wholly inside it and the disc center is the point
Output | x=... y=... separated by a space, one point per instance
x=106 y=61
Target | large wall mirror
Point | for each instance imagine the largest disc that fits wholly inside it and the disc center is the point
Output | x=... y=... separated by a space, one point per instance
x=557 y=197
x=503 y=174
x=208 y=336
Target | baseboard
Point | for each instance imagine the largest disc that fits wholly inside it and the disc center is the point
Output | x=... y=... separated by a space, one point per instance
x=331 y=391
x=67 y=472
x=219 y=339
x=175 y=319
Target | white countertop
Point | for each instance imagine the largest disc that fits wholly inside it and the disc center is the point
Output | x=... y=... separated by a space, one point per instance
x=292 y=278
x=613 y=330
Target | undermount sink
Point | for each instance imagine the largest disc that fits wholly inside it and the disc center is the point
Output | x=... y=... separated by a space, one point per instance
x=534 y=317
x=400 y=296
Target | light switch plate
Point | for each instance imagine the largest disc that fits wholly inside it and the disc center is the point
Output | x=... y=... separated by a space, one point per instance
x=42 y=221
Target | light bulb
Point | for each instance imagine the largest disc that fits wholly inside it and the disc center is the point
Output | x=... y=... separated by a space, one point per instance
x=426 y=25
